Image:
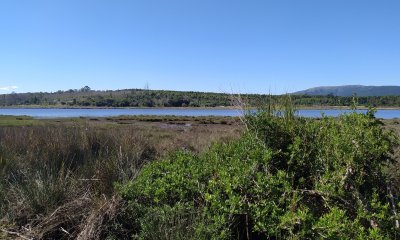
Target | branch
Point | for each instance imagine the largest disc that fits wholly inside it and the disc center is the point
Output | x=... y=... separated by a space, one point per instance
x=393 y=205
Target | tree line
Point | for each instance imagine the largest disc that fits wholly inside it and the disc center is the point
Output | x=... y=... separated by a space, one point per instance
x=86 y=97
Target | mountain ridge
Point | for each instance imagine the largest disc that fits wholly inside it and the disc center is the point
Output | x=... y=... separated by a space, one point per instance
x=349 y=90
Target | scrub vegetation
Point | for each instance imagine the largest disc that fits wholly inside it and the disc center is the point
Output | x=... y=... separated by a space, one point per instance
x=273 y=176
x=285 y=178
x=57 y=176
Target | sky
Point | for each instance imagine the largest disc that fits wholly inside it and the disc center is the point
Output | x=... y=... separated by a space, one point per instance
x=230 y=46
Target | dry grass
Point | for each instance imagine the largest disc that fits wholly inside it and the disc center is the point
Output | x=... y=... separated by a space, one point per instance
x=57 y=176
x=394 y=168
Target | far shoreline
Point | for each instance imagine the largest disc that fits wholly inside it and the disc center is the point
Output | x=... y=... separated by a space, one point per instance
x=299 y=107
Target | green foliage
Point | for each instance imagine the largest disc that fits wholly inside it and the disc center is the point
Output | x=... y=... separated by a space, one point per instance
x=166 y=222
x=287 y=177
x=157 y=98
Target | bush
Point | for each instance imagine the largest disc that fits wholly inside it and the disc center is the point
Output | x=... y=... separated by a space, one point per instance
x=287 y=177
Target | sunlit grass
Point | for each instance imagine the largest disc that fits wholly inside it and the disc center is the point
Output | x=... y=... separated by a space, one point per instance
x=10 y=121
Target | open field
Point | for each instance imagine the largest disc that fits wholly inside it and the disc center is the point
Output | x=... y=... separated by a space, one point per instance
x=167 y=133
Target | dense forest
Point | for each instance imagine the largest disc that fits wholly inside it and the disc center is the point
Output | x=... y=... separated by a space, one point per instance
x=86 y=97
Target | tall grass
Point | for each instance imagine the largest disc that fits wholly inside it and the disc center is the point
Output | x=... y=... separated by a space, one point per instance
x=52 y=177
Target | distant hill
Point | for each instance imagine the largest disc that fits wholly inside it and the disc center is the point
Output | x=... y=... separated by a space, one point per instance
x=349 y=90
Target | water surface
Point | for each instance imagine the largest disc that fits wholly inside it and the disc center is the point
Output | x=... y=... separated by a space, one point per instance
x=70 y=113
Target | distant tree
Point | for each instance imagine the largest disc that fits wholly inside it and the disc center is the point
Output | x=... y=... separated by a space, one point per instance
x=86 y=89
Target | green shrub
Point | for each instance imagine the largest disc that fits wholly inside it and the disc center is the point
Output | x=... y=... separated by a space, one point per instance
x=287 y=177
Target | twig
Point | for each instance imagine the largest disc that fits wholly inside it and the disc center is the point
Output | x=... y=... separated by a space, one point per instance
x=393 y=206
x=247 y=227
x=65 y=231
x=323 y=195
x=16 y=234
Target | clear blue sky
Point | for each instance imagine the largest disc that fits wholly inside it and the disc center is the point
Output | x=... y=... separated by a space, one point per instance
x=202 y=45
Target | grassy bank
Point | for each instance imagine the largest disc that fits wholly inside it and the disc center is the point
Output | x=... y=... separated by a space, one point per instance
x=156 y=177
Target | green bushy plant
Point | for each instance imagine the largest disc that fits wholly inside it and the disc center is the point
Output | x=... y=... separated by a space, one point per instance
x=287 y=177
